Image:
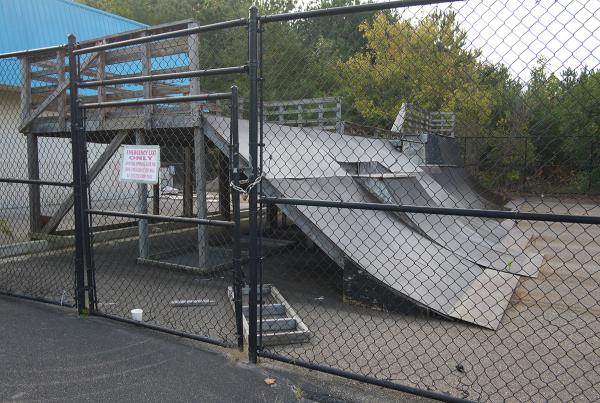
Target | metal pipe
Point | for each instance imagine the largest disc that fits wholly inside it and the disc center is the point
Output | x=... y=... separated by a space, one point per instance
x=154 y=101
x=77 y=180
x=160 y=329
x=165 y=76
x=90 y=274
x=31 y=51
x=234 y=172
x=36 y=182
x=164 y=218
x=351 y=9
x=253 y=196
x=37 y=299
x=261 y=162
x=515 y=215
x=362 y=378
x=166 y=35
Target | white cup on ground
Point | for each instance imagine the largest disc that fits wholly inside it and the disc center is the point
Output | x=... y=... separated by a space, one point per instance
x=136 y=314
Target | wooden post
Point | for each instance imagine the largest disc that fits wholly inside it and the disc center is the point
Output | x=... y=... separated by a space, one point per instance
x=148 y=110
x=25 y=88
x=188 y=188
x=320 y=117
x=200 y=165
x=156 y=199
x=224 y=189
x=142 y=207
x=339 y=125
x=147 y=70
x=199 y=149
x=62 y=98
x=101 y=75
x=300 y=113
x=33 y=172
x=33 y=168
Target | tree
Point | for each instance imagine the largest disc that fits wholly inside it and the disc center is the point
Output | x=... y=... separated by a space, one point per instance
x=580 y=125
x=426 y=63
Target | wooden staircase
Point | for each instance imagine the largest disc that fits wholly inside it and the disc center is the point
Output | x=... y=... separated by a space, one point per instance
x=280 y=323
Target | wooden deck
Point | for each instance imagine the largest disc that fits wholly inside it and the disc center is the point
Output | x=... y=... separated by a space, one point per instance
x=45 y=98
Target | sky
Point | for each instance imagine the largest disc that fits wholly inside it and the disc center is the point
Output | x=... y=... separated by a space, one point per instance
x=516 y=33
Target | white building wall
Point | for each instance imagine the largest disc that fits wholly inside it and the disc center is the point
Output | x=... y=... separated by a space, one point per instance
x=55 y=163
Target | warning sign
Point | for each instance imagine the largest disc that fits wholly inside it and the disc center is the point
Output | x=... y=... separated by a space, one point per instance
x=140 y=164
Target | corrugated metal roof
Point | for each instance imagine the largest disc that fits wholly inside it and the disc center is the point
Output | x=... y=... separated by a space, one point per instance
x=29 y=24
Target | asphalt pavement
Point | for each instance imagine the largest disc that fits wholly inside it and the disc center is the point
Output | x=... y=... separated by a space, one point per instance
x=48 y=353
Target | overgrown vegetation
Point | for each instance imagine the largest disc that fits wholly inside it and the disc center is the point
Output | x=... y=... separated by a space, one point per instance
x=533 y=135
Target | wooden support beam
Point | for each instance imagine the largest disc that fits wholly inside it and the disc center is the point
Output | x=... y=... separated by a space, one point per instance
x=33 y=172
x=199 y=149
x=142 y=207
x=101 y=75
x=300 y=115
x=147 y=70
x=202 y=211
x=321 y=122
x=156 y=199
x=339 y=124
x=93 y=172
x=62 y=98
x=25 y=87
x=188 y=197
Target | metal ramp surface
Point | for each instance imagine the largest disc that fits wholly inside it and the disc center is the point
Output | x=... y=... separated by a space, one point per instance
x=453 y=234
x=307 y=163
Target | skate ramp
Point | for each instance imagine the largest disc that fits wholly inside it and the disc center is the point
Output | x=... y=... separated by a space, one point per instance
x=307 y=163
x=402 y=259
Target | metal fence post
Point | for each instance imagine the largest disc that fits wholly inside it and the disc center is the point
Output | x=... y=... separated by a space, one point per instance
x=234 y=164
x=253 y=196
x=78 y=189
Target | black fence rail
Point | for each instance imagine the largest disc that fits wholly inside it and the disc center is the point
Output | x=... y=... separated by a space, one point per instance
x=436 y=233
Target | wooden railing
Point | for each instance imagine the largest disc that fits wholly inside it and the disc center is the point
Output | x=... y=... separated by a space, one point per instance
x=413 y=120
x=45 y=79
x=324 y=113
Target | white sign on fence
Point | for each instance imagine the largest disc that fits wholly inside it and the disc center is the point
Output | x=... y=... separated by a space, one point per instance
x=140 y=164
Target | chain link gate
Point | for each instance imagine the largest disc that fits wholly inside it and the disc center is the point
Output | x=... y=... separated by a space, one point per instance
x=174 y=255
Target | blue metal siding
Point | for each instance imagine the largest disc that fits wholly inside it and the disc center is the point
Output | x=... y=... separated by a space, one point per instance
x=28 y=24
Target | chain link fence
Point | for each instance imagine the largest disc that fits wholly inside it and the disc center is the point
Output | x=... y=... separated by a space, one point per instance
x=404 y=267
x=36 y=175
x=409 y=197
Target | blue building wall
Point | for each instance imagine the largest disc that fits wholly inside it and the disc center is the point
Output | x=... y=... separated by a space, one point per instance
x=31 y=24
x=28 y=24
